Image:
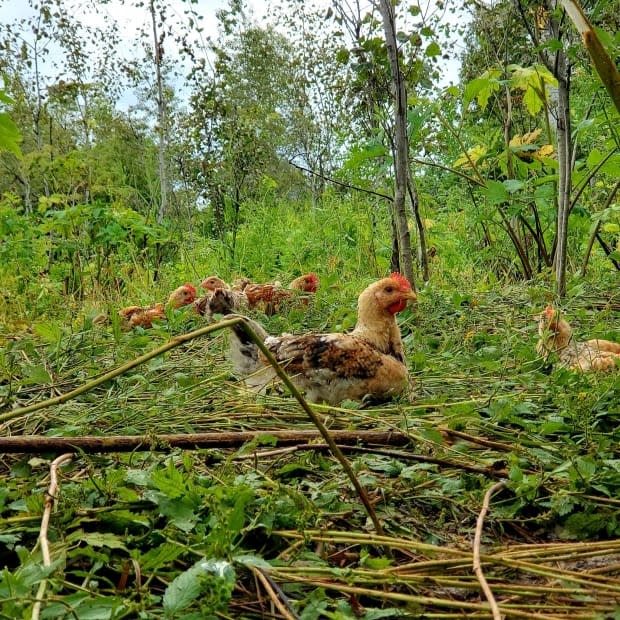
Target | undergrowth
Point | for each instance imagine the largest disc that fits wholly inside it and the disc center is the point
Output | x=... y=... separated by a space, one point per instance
x=225 y=531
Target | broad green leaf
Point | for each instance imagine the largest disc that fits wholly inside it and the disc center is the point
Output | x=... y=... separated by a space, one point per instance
x=496 y=192
x=158 y=557
x=169 y=481
x=532 y=101
x=10 y=136
x=433 y=49
x=482 y=88
x=36 y=374
x=97 y=539
x=513 y=185
x=594 y=158
x=50 y=332
x=188 y=586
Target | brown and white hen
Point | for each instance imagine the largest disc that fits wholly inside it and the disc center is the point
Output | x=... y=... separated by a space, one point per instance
x=367 y=363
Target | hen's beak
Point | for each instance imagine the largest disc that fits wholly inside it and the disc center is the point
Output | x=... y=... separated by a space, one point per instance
x=409 y=296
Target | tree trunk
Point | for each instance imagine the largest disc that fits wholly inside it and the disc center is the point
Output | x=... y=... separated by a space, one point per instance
x=564 y=170
x=415 y=208
x=161 y=119
x=401 y=141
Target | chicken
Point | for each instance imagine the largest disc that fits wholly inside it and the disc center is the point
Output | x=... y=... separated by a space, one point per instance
x=219 y=301
x=367 y=363
x=139 y=316
x=213 y=282
x=557 y=340
x=269 y=297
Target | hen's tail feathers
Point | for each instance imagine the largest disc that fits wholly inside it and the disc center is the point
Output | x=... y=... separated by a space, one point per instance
x=223 y=301
x=245 y=354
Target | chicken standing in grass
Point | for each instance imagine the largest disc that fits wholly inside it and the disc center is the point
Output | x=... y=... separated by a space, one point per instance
x=140 y=316
x=367 y=363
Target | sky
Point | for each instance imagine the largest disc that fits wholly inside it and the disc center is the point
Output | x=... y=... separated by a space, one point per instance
x=130 y=17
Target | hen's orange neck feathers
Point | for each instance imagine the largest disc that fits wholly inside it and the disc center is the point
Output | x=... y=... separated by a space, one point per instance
x=377 y=307
x=554 y=331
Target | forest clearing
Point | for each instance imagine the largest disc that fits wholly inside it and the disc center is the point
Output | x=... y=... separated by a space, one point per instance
x=291 y=338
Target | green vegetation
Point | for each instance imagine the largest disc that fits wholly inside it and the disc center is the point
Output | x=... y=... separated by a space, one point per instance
x=281 y=162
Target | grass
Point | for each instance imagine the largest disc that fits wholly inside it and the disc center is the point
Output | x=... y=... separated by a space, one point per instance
x=267 y=531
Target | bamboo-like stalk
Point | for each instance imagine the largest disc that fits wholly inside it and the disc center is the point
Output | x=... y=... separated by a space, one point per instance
x=336 y=451
x=477 y=540
x=25 y=444
x=283 y=607
x=90 y=385
x=50 y=498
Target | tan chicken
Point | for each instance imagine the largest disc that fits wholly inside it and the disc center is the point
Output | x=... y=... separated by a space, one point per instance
x=556 y=339
x=220 y=298
x=213 y=282
x=367 y=363
x=140 y=316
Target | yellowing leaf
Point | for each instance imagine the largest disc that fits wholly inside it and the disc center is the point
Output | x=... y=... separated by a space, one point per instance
x=544 y=152
x=473 y=156
x=526 y=138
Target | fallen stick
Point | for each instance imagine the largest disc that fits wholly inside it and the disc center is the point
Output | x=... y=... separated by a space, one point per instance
x=126 y=443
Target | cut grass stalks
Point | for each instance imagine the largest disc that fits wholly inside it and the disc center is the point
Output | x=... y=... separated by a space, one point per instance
x=501 y=557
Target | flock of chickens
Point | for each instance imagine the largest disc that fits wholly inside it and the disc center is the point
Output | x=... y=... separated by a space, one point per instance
x=367 y=364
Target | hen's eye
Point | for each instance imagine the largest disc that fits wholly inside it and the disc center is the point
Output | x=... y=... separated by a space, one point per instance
x=389 y=289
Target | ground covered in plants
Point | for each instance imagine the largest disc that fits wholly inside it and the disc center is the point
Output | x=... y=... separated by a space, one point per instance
x=496 y=458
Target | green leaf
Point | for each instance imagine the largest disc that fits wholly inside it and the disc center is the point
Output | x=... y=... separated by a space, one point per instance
x=496 y=192
x=36 y=374
x=9 y=135
x=432 y=435
x=169 y=481
x=513 y=185
x=97 y=539
x=158 y=557
x=432 y=49
x=481 y=89
x=343 y=55
x=48 y=331
x=188 y=586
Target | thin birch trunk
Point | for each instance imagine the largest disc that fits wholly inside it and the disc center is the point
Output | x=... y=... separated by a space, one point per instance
x=401 y=151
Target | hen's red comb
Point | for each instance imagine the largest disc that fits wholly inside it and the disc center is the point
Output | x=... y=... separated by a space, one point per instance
x=190 y=287
x=402 y=281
